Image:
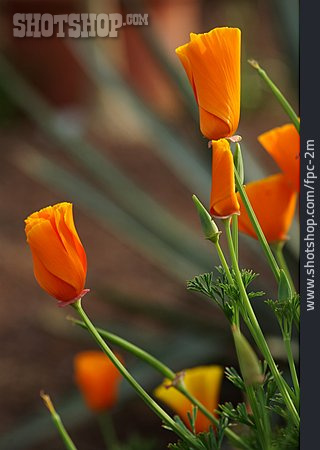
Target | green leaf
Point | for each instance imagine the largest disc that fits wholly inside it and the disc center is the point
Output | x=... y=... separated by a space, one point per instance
x=233 y=376
x=238 y=414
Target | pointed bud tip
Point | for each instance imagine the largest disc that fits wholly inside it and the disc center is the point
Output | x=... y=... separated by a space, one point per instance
x=47 y=401
x=209 y=227
x=254 y=64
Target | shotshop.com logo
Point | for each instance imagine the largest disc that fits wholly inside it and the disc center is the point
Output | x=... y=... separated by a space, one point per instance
x=82 y=25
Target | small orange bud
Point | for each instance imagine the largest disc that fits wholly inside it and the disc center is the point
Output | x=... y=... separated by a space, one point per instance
x=273 y=201
x=212 y=63
x=283 y=144
x=97 y=378
x=223 y=201
x=59 y=259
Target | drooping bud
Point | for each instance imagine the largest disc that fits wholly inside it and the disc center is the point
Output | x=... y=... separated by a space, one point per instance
x=284 y=289
x=209 y=227
x=248 y=361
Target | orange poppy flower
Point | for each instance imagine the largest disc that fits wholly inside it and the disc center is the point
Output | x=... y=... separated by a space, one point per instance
x=273 y=201
x=97 y=378
x=212 y=63
x=283 y=144
x=204 y=384
x=59 y=260
x=223 y=201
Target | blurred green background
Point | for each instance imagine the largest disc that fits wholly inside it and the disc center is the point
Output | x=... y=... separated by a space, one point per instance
x=111 y=125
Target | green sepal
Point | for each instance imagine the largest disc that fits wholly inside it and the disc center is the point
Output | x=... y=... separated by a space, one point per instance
x=209 y=227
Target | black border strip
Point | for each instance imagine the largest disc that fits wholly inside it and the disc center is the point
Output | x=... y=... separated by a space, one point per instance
x=310 y=224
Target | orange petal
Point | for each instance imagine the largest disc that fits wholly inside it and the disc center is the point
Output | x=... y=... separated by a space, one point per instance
x=283 y=144
x=204 y=383
x=212 y=63
x=46 y=244
x=273 y=201
x=223 y=201
x=70 y=240
x=59 y=259
x=68 y=218
x=55 y=287
x=181 y=52
x=97 y=378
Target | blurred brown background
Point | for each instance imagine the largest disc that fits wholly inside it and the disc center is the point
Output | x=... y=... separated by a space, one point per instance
x=111 y=125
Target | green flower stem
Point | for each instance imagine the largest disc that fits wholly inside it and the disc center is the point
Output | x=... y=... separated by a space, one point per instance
x=167 y=373
x=133 y=349
x=254 y=327
x=224 y=262
x=265 y=417
x=235 y=234
x=235 y=238
x=277 y=93
x=182 y=433
x=253 y=219
x=292 y=366
x=107 y=430
x=260 y=417
x=278 y=250
x=58 y=423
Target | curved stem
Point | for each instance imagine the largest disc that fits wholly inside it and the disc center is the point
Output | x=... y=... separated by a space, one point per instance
x=257 y=333
x=167 y=373
x=133 y=349
x=253 y=219
x=58 y=422
x=182 y=433
x=278 y=250
x=278 y=94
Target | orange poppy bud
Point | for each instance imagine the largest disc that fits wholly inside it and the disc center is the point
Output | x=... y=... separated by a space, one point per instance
x=212 y=63
x=59 y=260
x=273 y=201
x=204 y=383
x=223 y=201
x=97 y=378
x=283 y=144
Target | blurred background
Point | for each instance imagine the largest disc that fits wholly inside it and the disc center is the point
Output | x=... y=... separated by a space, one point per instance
x=111 y=125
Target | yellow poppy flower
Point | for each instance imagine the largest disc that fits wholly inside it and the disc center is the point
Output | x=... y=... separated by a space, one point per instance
x=203 y=383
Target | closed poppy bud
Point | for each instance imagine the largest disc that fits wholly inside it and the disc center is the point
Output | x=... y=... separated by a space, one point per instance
x=223 y=202
x=238 y=162
x=212 y=63
x=59 y=260
x=273 y=201
x=209 y=227
x=283 y=144
x=204 y=384
x=248 y=361
x=97 y=378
